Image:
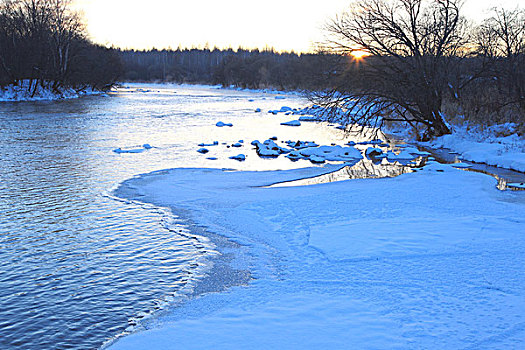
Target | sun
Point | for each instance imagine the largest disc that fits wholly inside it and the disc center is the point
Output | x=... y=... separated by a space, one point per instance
x=359 y=54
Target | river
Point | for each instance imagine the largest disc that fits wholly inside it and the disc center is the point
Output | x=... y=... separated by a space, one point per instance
x=77 y=266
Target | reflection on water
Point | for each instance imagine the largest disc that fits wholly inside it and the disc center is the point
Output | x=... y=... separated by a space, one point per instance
x=363 y=169
x=506 y=179
x=78 y=267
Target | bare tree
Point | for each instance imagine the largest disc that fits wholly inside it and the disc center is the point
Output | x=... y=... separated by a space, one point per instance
x=502 y=38
x=43 y=43
x=414 y=47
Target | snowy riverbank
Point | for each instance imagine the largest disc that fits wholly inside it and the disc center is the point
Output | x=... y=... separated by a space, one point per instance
x=22 y=93
x=498 y=145
x=384 y=263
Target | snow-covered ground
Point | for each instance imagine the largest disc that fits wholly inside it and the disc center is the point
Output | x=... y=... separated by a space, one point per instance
x=498 y=145
x=427 y=260
x=21 y=93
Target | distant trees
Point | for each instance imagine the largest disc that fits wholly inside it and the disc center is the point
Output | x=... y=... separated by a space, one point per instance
x=242 y=68
x=43 y=43
x=501 y=38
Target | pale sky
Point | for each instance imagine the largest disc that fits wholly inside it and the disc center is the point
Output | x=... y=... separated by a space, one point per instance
x=283 y=24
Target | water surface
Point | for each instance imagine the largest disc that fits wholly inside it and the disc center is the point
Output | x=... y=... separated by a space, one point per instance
x=78 y=267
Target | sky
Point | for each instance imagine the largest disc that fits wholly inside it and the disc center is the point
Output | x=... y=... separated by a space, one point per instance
x=285 y=25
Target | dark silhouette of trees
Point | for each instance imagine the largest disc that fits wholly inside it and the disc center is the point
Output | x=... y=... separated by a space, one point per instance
x=502 y=38
x=43 y=43
x=415 y=48
x=241 y=68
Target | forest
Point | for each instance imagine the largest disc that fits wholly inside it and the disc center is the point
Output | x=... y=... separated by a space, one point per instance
x=43 y=43
x=243 y=68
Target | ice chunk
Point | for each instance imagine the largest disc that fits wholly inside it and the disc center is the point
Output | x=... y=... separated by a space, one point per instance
x=317 y=159
x=301 y=144
x=269 y=148
x=237 y=144
x=292 y=123
x=133 y=150
x=203 y=150
x=307 y=118
x=239 y=157
x=332 y=153
x=215 y=143
x=373 y=152
x=221 y=124
x=295 y=155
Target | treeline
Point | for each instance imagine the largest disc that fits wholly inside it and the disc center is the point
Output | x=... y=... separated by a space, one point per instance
x=43 y=44
x=242 y=68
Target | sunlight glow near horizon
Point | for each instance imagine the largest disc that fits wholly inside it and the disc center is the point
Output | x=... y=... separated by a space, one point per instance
x=285 y=25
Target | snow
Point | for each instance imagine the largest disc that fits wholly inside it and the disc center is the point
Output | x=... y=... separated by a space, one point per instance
x=332 y=153
x=497 y=145
x=427 y=260
x=519 y=185
x=214 y=143
x=307 y=118
x=269 y=148
x=373 y=152
x=20 y=93
x=317 y=159
x=292 y=123
x=144 y=147
x=239 y=157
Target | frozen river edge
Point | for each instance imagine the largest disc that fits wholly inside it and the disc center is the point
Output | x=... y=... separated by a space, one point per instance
x=425 y=260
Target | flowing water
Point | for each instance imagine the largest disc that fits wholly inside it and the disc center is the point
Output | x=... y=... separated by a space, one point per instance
x=79 y=267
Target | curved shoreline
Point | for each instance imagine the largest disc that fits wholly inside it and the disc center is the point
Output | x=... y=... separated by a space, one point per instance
x=215 y=272
x=295 y=270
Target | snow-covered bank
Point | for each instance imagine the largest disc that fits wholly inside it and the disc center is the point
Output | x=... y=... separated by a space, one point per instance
x=498 y=145
x=22 y=93
x=431 y=259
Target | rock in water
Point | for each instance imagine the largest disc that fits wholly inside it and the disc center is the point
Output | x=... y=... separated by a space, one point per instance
x=239 y=157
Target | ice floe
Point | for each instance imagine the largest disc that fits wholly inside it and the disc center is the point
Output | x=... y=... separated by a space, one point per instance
x=292 y=123
x=215 y=143
x=144 y=147
x=239 y=157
